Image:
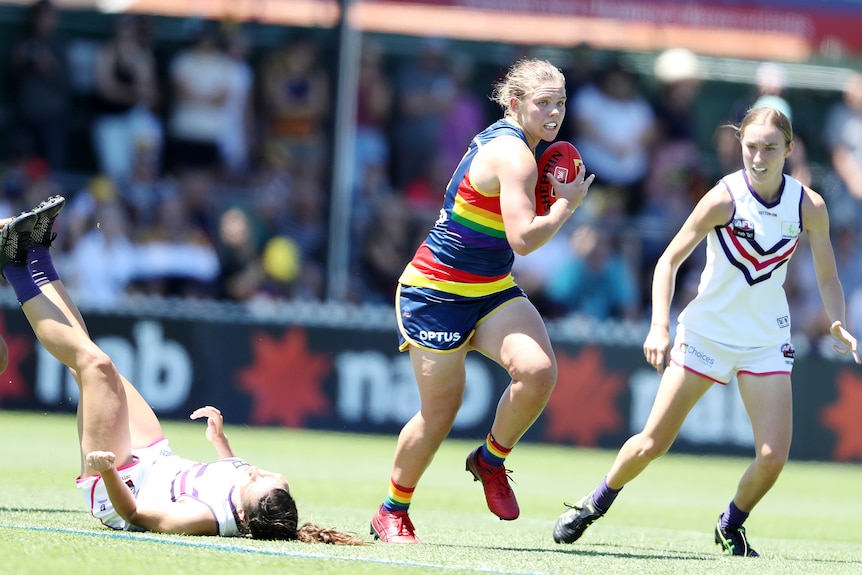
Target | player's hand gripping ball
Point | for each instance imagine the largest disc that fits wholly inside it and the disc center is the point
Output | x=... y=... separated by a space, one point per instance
x=561 y=160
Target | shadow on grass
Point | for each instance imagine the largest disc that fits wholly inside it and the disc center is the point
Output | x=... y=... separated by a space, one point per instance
x=610 y=551
x=597 y=550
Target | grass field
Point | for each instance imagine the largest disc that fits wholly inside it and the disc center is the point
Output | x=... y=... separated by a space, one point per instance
x=810 y=523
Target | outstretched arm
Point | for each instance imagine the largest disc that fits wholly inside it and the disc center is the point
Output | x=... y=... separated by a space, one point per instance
x=816 y=218
x=215 y=429
x=186 y=516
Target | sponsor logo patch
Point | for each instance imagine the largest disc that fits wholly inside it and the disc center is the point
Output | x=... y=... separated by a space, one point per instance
x=692 y=351
x=440 y=336
x=789 y=230
x=743 y=228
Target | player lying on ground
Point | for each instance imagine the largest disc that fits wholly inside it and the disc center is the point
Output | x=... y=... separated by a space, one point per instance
x=129 y=476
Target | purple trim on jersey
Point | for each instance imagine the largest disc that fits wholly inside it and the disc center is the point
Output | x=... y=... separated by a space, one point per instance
x=733 y=256
x=757 y=196
x=801 y=197
x=739 y=265
x=733 y=213
x=233 y=509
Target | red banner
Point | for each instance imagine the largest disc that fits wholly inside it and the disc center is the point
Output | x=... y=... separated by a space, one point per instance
x=814 y=22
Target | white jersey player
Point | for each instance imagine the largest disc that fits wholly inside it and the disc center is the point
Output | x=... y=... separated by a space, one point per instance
x=738 y=324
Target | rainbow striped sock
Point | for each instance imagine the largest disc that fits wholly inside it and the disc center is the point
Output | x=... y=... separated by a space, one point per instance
x=492 y=454
x=398 y=498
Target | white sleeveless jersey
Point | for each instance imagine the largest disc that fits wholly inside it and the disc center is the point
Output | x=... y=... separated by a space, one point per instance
x=740 y=299
x=157 y=477
x=171 y=478
x=212 y=484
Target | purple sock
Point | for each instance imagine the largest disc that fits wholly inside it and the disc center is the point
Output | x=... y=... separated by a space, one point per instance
x=42 y=266
x=603 y=496
x=733 y=518
x=22 y=282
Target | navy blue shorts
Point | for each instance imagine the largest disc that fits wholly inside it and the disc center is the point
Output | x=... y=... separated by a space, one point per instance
x=442 y=321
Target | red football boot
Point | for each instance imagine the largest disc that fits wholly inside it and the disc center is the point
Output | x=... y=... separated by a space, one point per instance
x=393 y=527
x=495 y=481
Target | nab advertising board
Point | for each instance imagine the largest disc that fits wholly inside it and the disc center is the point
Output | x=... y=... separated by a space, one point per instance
x=354 y=379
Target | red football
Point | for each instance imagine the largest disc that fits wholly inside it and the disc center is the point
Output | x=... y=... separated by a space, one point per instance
x=560 y=160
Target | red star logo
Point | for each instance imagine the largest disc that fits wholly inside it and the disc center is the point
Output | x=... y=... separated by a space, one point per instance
x=12 y=383
x=286 y=380
x=842 y=417
x=584 y=386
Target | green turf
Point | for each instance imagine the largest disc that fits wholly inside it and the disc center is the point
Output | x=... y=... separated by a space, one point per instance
x=810 y=523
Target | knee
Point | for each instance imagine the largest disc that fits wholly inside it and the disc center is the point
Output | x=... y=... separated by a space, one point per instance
x=540 y=376
x=440 y=410
x=770 y=463
x=649 y=448
x=90 y=357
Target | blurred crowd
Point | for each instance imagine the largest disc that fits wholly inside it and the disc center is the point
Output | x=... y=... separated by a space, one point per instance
x=212 y=173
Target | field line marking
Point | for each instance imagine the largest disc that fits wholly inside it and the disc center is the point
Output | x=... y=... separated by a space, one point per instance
x=260 y=551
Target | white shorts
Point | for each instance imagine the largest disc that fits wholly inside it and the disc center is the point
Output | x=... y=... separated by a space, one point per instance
x=136 y=475
x=719 y=362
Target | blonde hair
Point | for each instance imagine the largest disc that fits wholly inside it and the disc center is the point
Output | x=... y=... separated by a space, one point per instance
x=522 y=79
x=769 y=116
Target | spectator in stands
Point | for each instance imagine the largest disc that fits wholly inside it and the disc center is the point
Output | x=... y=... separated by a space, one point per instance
x=616 y=131
x=532 y=272
x=41 y=90
x=581 y=68
x=424 y=92
x=374 y=100
x=386 y=246
x=146 y=187
x=842 y=134
x=464 y=117
x=239 y=251
x=296 y=106
x=305 y=221
x=201 y=81
x=286 y=275
x=174 y=257
x=423 y=191
x=238 y=136
x=126 y=93
x=101 y=264
x=595 y=280
x=201 y=192
x=80 y=215
x=676 y=177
